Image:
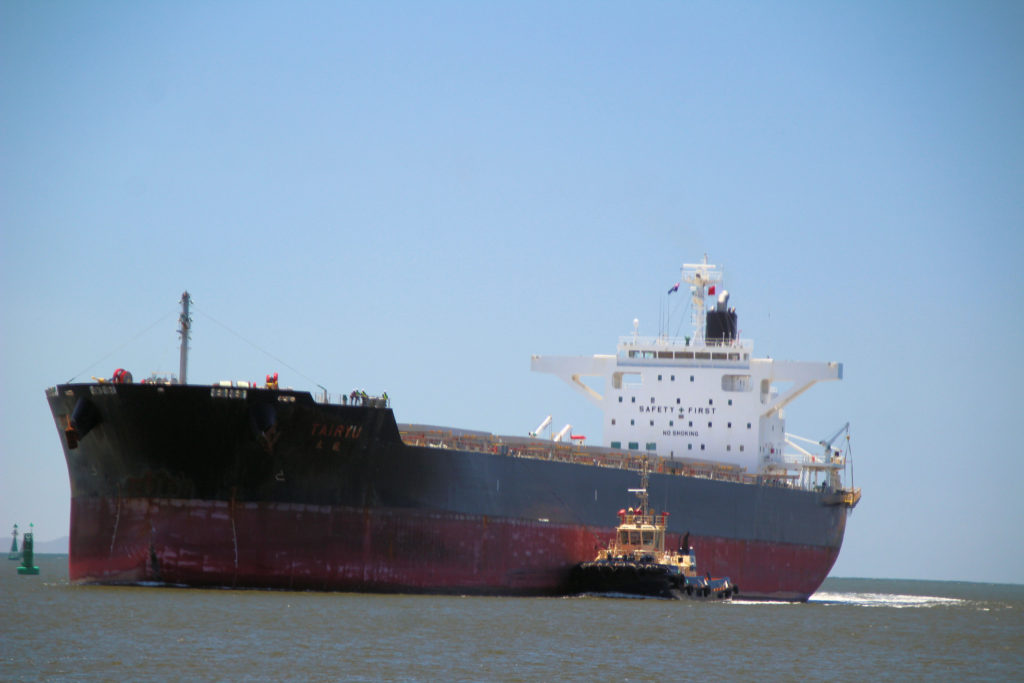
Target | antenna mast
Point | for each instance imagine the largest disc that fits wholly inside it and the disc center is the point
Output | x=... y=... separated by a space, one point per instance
x=185 y=321
x=701 y=277
x=641 y=492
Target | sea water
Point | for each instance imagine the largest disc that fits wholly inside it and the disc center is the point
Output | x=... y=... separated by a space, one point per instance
x=851 y=629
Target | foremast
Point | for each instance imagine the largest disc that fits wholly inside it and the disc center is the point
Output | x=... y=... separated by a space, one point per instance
x=184 y=329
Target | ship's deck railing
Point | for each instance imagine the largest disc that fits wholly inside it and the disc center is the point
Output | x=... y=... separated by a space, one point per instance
x=595 y=456
x=354 y=399
x=665 y=349
x=640 y=519
x=543 y=449
x=676 y=343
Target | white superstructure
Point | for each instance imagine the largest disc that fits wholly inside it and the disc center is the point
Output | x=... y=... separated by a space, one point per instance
x=704 y=397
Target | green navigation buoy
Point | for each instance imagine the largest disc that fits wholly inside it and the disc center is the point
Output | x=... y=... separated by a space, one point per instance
x=27 y=556
x=15 y=554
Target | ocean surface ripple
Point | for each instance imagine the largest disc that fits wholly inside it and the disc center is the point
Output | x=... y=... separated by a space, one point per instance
x=854 y=629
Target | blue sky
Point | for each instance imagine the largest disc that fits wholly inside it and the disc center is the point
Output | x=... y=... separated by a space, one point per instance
x=414 y=198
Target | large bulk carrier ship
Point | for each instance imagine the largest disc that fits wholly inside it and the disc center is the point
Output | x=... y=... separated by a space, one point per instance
x=259 y=486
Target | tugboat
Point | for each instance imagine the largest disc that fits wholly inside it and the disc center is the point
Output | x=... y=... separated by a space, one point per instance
x=636 y=562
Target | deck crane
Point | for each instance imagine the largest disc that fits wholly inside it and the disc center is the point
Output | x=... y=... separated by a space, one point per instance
x=831 y=455
x=827 y=443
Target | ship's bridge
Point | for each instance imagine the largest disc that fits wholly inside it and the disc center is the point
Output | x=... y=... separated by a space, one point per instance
x=704 y=396
x=712 y=401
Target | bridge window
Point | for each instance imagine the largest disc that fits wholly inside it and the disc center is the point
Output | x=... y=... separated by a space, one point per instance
x=736 y=383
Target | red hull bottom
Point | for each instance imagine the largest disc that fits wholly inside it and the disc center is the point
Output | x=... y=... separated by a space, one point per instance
x=294 y=546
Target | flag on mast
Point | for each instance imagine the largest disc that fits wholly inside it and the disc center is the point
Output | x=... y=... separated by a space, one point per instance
x=675 y=288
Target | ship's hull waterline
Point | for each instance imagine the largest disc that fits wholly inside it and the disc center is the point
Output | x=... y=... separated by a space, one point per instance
x=214 y=486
